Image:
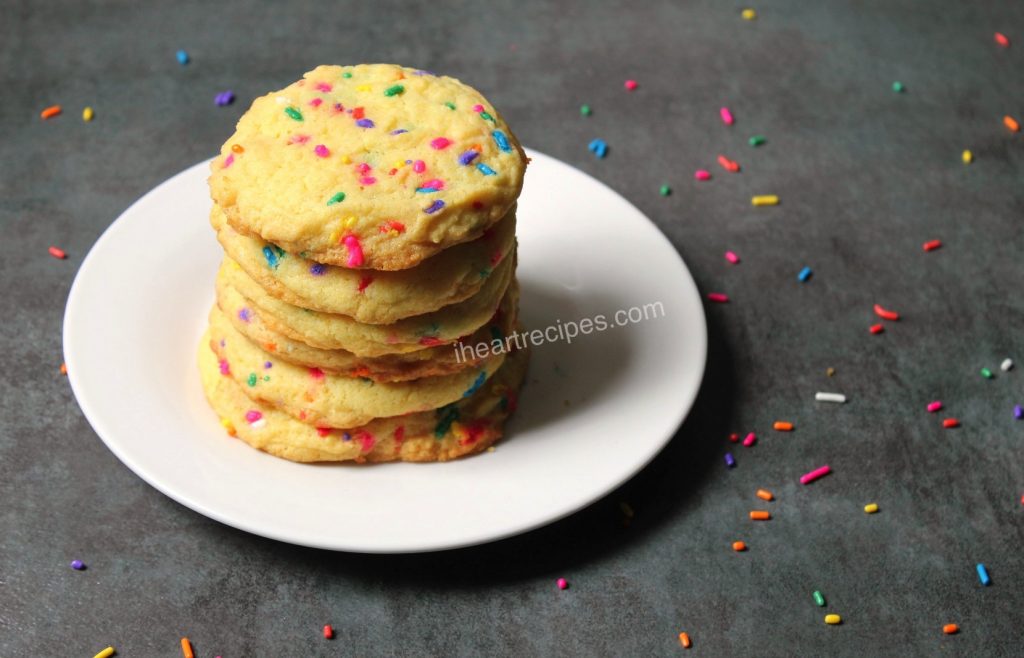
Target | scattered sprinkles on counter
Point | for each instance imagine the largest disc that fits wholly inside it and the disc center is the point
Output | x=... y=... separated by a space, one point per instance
x=106 y=653
x=77 y=565
x=871 y=508
x=702 y=174
x=718 y=297
x=727 y=117
x=739 y=546
x=819 y=599
x=562 y=583
x=934 y=406
x=950 y=423
x=598 y=147
x=932 y=245
x=986 y=373
x=764 y=494
x=764 y=200
x=838 y=398
x=756 y=140
x=664 y=190
x=748 y=14
x=983 y=576
x=1002 y=40
x=732 y=257
x=88 y=114
x=729 y=165
x=684 y=639
x=630 y=85
x=950 y=629
x=876 y=329
x=57 y=252
x=749 y=440
x=224 y=98
x=1008 y=121
x=967 y=157
x=63 y=368
x=886 y=315
x=585 y=110
x=730 y=461
x=833 y=619
x=186 y=648
x=804 y=274
x=328 y=632
x=782 y=426
x=182 y=57
x=898 y=87
x=760 y=515
x=1006 y=365
x=816 y=474
x=50 y=112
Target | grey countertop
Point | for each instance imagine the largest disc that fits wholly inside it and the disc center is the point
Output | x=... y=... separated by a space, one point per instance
x=866 y=176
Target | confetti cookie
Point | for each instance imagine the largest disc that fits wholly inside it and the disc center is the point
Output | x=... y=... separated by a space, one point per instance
x=370 y=296
x=430 y=361
x=464 y=427
x=372 y=166
x=331 y=400
x=332 y=332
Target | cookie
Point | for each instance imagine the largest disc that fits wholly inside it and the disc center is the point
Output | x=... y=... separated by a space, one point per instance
x=331 y=400
x=330 y=331
x=465 y=427
x=430 y=361
x=370 y=297
x=372 y=166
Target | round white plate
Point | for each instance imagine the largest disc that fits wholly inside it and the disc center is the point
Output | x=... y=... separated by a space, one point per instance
x=594 y=412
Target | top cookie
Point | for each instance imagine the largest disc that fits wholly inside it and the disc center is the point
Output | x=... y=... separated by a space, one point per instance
x=371 y=166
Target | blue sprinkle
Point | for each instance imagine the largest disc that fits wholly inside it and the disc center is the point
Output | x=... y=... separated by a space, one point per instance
x=182 y=56
x=426 y=190
x=345 y=436
x=480 y=379
x=271 y=257
x=484 y=169
x=434 y=207
x=599 y=147
x=730 y=461
x=399 y=131
x=317 y=269
x=804 y=274
x=364 y=123
x=467 y=157
x=501 y=141
x=245 y=315
x=983 y=575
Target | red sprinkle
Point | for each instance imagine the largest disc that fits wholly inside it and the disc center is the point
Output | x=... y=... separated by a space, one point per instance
x=728 y=165
x=886 y=315
x=950 y=423
x=719 y=297
x=1002 y=40
x=364 y=282
x=57 y=252
x=630 y=85
x=877 y=329
x=328 y=632
x=932 y=245
x=734 y=437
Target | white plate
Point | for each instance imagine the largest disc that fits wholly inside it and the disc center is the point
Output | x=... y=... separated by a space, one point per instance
x=594 y=412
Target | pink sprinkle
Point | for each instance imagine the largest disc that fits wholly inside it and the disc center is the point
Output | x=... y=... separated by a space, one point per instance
x=419 y=166
x=228 y=161
x=367 y=180
x=225 y=369
x=323 y=86
x=807 y=478
x=702 y=174
x=322 y=151
x=298 y=139
x=934 y=406
x=727 y=117
x=478 y=108
x=355 y=250
x=440 y=143
x=731 y=257
x=719 y=297
x=563 y=583
x=366 y=440
x=316 y=102
x=316 y=373
x=253 y=415
x=750 y=440
x=362 y=167
x=435 y=183
x=630 y=85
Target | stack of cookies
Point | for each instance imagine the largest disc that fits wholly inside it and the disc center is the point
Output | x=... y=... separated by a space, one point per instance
x=367 y=215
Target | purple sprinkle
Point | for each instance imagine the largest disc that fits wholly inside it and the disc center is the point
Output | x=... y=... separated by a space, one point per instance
x=224 y=98
x=421 y=72
x=467 y=157
x=317 y=269
x=77 y=565
x=434 y=207
x=222 y=342
x=730 y=461
x=267 y=365
x=1018 y=412
x=245 y=315
x=399 y=131
x=345 y=436
x=364 y=123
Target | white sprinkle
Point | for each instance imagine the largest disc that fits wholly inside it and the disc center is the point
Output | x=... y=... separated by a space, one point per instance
x=258 y=424
x=830 y=397
x=1007 y=365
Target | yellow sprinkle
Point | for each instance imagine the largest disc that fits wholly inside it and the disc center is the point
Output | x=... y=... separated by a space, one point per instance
x=765 y=200
x=833 y=619
x=347 y=160
x=398 y=164
x=363 y=88
x=393 y=233
x=106 y=653
x=349 y=222
x=87 y=114
x=871 y=508
x=748 y=14
x=234 y=265
x=968 y=157
x=459 y=431
x=228 y=426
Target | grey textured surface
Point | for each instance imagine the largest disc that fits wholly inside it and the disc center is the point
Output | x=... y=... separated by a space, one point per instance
x=866 y=176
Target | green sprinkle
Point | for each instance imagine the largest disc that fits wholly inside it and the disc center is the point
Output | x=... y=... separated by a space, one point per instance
x=394 y=90
x=756 y=140
x=346 y=74
x=986 y=373
x=665 y=190
x=819 y=599
x=898 y=87
x=585 y=110
x=252 y=379
x=486 y=117
x=266 y=378
x=450 y=105
x=337 y=198
x=293 y=113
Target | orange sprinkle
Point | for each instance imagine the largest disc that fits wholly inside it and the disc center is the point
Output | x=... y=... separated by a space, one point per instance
x=950 y=423
x=186 y=648
x=783 y=426
x=764 y=494
x=729 y=165
x=684 y=639
x=57 y=252
x=63 y=368
x=1008 y=121
x=50 y=112
x=739 y=546
x=950 y=629
x=760 y=515
x=237 y=148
